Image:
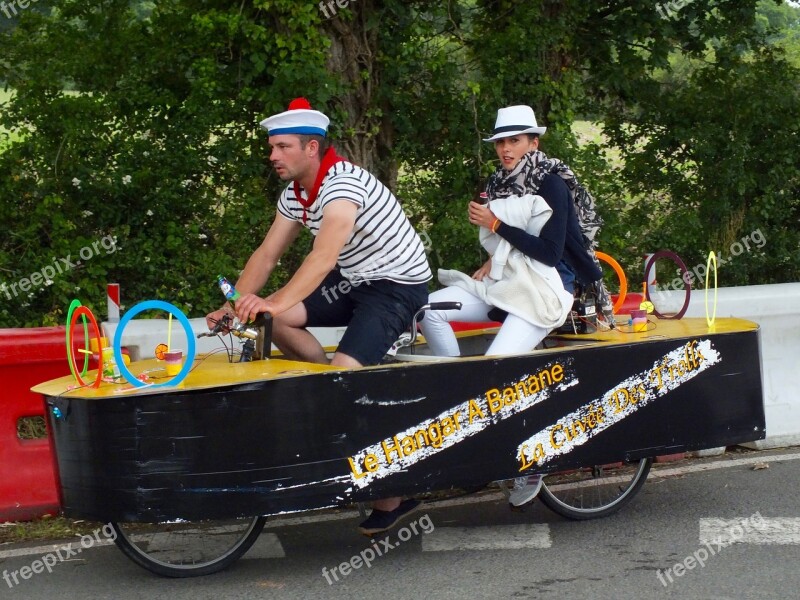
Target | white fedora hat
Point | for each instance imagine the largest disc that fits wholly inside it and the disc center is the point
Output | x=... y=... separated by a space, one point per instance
x=515 y=120
x=300 y=119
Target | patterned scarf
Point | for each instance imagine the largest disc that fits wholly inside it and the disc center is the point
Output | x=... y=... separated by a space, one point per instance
x=527 y=177
x=329 y=159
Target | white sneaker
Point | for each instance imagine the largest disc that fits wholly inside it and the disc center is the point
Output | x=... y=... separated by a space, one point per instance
x=525 y=490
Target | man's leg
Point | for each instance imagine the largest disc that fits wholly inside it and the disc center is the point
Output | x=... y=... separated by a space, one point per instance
x=291 y=337
x=383 y=311
x=387 y=504
x=343 y=360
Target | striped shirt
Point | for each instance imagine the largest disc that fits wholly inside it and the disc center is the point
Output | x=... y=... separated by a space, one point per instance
x=383 y=244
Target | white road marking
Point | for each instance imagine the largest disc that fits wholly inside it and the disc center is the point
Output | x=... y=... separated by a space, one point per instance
x=52 y=548
x=762 y=532
x=308 y=519
x=499 y=537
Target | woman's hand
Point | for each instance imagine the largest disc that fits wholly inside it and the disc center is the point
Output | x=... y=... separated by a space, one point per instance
x=483 y=271
x=481 y=215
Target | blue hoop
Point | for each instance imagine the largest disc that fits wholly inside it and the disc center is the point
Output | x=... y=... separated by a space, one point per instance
x=187 y=327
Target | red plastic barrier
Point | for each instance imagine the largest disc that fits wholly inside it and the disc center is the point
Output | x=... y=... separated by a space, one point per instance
x=27 y=480
x=632 y=302
x=465 y=326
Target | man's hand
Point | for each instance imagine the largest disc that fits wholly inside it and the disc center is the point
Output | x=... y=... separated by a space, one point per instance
x=483 y=271
x=249 y=306
x=481 y=215
x=213 y=318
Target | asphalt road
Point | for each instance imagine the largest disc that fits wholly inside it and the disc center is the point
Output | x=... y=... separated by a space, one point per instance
x=475 y=547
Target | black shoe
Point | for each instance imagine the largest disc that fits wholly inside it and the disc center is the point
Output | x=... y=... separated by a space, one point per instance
x=379 y=521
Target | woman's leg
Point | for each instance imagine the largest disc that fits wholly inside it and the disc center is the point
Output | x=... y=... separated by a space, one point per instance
x=436 y=324
x=516 y=336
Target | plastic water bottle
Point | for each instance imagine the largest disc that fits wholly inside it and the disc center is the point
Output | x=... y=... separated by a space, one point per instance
x=227 y=289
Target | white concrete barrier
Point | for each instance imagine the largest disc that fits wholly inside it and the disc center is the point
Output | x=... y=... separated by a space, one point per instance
x=776 y=309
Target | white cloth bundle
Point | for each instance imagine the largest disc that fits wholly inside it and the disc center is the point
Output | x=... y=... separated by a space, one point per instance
x=518 y=284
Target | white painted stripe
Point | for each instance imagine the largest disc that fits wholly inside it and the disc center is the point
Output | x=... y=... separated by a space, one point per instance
x=52 y=548
x=721 y=464
x=503 y=537
x=310 y=519
x=455 y=425
x=751 y=530
x=618 y=403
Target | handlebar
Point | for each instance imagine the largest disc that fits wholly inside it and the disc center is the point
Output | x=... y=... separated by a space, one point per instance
x=410 y=338
x=250 y=332
x=441 y=306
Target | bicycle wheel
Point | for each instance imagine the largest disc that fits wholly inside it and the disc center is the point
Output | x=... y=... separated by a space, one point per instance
x=187 y=549
x=594 y=492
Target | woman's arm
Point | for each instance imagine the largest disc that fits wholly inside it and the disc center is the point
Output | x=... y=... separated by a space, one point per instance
x=548 y=246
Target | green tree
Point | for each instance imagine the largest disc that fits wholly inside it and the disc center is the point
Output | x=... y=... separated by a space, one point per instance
x=139 y=121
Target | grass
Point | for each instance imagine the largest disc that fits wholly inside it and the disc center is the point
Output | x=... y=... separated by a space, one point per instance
x=45 y=528
x=588 y=132
x=591 y=132
x=31 y=428
x=6 y=137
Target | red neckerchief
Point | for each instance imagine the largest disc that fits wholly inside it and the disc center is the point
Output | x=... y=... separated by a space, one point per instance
x=328 y=160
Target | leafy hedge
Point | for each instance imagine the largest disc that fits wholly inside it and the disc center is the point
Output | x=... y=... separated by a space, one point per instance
x=137 y=123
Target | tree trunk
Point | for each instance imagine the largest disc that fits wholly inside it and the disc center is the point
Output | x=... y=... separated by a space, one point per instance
x=367 y=134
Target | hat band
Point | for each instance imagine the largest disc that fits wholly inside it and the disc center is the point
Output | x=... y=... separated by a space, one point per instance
x=299 y=131
x=512 y=128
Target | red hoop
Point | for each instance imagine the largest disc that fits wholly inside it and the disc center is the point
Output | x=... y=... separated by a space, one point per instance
x=87 y=314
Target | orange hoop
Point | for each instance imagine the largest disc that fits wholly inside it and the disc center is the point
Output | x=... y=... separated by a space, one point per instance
x=623 y=281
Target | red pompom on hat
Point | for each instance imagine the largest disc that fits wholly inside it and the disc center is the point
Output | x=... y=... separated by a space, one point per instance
x=299 y=103
x=300 y=119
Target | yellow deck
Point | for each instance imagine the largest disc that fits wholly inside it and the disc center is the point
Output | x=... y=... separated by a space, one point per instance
x=214 y=370
x=659 y=329
x=209 y=371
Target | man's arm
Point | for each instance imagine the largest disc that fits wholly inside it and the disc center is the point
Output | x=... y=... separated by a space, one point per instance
x=261 y=263
x=338 y=220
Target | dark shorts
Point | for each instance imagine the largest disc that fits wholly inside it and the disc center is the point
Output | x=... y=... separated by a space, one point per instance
x=375 y=313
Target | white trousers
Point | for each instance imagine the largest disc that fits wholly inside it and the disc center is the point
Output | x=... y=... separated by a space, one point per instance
x=515 y=336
